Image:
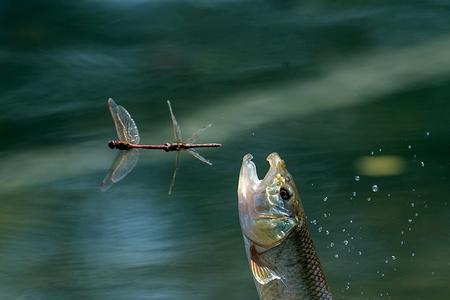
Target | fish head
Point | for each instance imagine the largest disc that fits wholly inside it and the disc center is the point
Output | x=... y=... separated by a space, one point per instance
x=269 y=209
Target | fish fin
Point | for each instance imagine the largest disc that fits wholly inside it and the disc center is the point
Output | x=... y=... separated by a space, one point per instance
x=262 y=272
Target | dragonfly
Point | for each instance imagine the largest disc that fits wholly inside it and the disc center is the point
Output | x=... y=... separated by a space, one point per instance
x=128 y=139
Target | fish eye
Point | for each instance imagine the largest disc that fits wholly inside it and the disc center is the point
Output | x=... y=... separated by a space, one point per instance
x=284 y=193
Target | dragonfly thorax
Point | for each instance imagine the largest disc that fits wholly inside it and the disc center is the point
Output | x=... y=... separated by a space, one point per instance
x=173 y=147
x=118 y=145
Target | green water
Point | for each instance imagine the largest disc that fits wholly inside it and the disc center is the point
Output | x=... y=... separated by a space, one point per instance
x=324 y=83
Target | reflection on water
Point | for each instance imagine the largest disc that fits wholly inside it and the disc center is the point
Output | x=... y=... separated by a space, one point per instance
x=353 y=96
x=382 y=165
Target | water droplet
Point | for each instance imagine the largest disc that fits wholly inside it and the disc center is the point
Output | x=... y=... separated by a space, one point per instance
x=412 y=204
x=336 y=255
x=409 y=146
x=319 y=229
x=354 y=194
x=351 y=221
x=402 y=232
x=327 y=232
x=325 y=199
x=382 y=275
x=422 y=164
x=375 y=188
x=393 y=257
x=357 y=178
x=359 y=252
x=402 y=242
x=314 y=222
x=253 y=134
x=345 y=242
x=409 y=220
x=372 y=153
x=416 y=214
x=428 y=133
x=369 y=199
x=413 y=254
x=331 y=244
x=386 y=261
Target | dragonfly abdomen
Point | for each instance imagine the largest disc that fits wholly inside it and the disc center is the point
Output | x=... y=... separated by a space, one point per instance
x=183 y=146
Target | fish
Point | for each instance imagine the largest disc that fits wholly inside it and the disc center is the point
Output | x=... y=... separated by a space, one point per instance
x=279 y=247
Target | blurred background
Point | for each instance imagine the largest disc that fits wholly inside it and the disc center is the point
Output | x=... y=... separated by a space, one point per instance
x=354 y=96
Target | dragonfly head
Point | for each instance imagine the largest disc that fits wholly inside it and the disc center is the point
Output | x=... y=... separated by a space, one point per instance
x=112 y=144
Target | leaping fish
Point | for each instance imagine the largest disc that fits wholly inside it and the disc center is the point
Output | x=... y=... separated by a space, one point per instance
x=279 y=247
x=128 y=143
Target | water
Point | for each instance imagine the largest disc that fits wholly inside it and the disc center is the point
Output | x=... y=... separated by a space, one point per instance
x=325 y=84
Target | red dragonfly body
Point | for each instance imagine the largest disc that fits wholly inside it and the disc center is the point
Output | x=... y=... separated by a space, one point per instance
x=128 y=143
x=166 y=146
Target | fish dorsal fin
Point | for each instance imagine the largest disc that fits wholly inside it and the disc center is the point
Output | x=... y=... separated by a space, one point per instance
x=262 y=272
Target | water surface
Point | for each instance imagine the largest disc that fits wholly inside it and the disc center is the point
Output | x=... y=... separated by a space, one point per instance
x=333 y=87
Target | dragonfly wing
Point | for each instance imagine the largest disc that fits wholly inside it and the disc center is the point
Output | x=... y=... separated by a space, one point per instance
x=125 y=161
x=126 y=128
x=198 y=156
x=176 y=127
x=196 y=134
x=177 y=166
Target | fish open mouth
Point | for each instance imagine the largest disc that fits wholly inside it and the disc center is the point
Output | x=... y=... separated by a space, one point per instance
x=249 y=175
x=264 y=217
x=249 y=182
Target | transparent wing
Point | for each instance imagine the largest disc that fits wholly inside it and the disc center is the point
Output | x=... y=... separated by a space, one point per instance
x=196 y=134
x=198 y=156
x=177 y=166
x=125 y=161
x=176 y=127
x=126 y=128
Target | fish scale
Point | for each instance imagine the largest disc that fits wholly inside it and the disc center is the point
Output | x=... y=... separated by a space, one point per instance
x=297 y=261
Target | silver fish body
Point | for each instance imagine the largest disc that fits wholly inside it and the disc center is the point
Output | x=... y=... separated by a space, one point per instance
x=280 y=251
